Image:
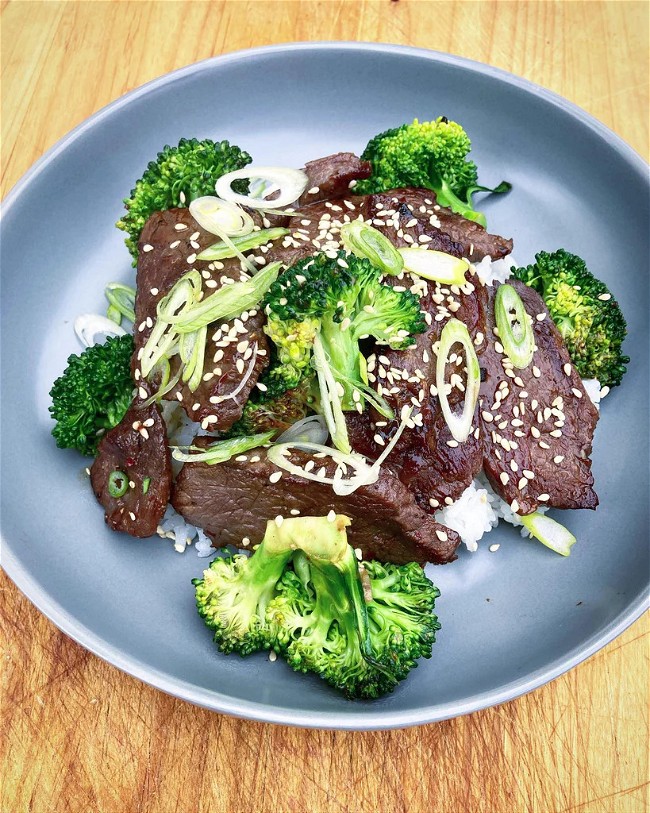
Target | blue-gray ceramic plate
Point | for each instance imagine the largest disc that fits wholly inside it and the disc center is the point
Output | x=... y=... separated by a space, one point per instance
x=511 y=620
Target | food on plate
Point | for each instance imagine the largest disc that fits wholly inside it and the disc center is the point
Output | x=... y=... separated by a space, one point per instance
x=92 y=394
x=361 y=626
x=333 y=361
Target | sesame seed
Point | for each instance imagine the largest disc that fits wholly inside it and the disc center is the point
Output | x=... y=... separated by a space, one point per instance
x=379 y=440
x=331 y=517
x=180 y=227
x=515 y=506
x=540 y=317
x=132 y=515
x=513 y=465
x=543 y=497
x=442 y=536
x=273 y=478
x=279 y=520
x=452 y=443
x=567 y=368
x=147 y=247
x=576 y=392
x=142 y=392
x=487 y=416
x=494 y=548
x=534 y=431
x=556 y=433
x=605 y=297
x=504 y=477
x=294 y=512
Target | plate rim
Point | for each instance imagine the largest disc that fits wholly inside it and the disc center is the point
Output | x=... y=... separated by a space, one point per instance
x=215 y=701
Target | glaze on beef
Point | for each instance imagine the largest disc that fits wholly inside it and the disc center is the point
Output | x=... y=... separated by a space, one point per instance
x=137 y=447
x=168 y=247
x=538 y=423
x=330 y=177
x=232 y=501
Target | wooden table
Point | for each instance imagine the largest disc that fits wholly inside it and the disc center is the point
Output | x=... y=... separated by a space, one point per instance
x=77 y=735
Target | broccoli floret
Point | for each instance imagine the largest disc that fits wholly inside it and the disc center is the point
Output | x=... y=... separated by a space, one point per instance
x=93 y=394
x=301 y=594
x=585 y=312
x=277 y=408
x=343 y=300
x=428 y=154
x=191 y=170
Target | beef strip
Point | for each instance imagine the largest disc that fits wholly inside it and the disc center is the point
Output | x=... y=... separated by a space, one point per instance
x=137 y=447
x=432 y=220
x=330 y=177
x=169 y=242
x=232 y=501
x=538 y=422
x=427 y=459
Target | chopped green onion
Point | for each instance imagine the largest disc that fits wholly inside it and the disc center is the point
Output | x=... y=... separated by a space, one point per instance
x=365 y=241
x=118 y=484
x=549 y=532
x=114 y=315
x=221 y=216
x=515 y=329
x=330 y=399
x=455 y=332
x=222 y=251
x=221 y=450
x=225 y=303
x=121 y=302
x=435 y=265
x=290 y=183
x=145 y=484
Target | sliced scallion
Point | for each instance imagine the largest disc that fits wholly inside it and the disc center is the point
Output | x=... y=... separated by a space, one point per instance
x=118 y=484
x=330 y=398
x=222 y=251
x=365 y=241
x=221 y=450
x=145 y=484
x=549 y=532
x=225 y=303
x=221 y=216
x=515 y=329
x=288 y=183
x=455 y=332
x=121 y=301
x=435 y=265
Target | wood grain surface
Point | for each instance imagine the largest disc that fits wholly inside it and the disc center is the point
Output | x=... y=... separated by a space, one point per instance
x=76 y=734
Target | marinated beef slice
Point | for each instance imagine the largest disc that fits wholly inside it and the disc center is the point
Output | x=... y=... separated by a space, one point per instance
x=463 y=238
x=232 y=501
x=168 y=248
x=330 y=177
x=427 y=459
x=538 y=422
x=136 y=447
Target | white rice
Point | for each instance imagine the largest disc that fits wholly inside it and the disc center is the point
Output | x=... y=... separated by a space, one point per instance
x=472 y=515
x=490 y=271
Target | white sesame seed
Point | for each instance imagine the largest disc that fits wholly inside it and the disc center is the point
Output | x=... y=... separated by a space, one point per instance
x=494 y=548
x=543 y=497
x=567 y=368
x=442 y=536
x=273 y=478
x=331 y=517
x=605 y=297
x=504 y=477
x=279 y=520
x=515 y=506
x=180 y=226
x=132 y=515
x=147 y=247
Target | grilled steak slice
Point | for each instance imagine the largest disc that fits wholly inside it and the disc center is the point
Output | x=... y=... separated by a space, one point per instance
x=427 y=459
x=538 y=423
x=168 y=247
x=330 y=177
x=232 y=501
x=472 y=239
x=136 y=447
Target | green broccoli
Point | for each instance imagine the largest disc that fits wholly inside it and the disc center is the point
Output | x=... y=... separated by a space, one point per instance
x=178 y=176
x=302 y=594
x=277 y=407
x=585 y=312
x=93 y=394
x=428 y=154
x=342 y=300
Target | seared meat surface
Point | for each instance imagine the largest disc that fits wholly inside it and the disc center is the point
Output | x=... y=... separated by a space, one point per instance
x=232 y=501
x=136 y=447
x=168 y=247
x=538 y=423
x=330 y=177
x=426 y=458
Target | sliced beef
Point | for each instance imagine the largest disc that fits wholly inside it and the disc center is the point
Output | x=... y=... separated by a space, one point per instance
x=136 y=447
x=168 y=247
x=432 y=220
x=330 y=177
x=427 y=459
x=538 y=423
x=232 y=501
x=316 y=228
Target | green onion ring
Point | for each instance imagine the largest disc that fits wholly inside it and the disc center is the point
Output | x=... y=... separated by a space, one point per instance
x=118 y=484
x=365 y=241
x=515 y=330
x=455 y=332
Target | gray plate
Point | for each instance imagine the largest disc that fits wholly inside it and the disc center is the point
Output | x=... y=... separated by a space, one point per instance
x=512 y=620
